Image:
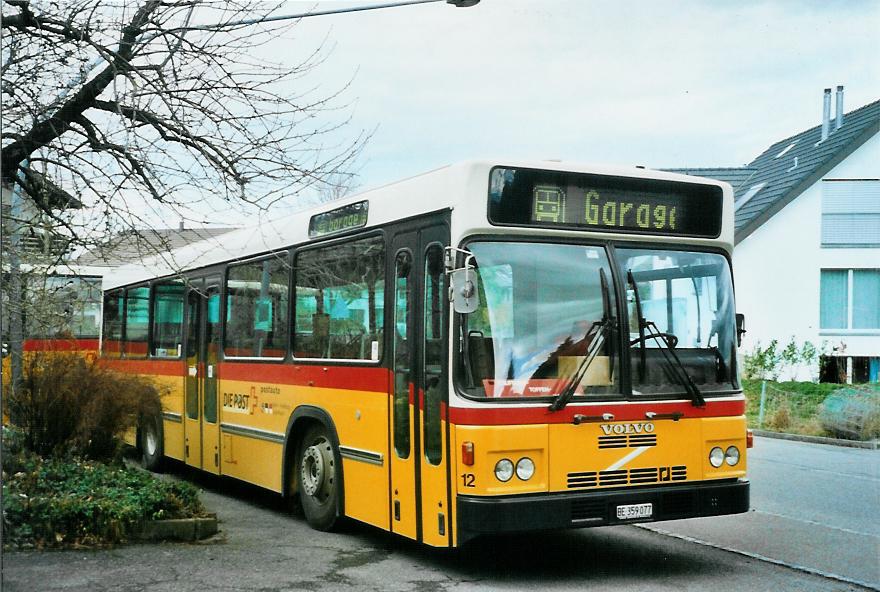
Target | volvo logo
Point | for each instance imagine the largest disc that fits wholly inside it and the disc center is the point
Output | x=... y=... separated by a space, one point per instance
x=627 y=428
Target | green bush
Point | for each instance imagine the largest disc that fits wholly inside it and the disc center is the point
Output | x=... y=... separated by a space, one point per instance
x=68 y=404
x=70 y=501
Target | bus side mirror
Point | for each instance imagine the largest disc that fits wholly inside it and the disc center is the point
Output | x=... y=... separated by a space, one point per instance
x=463 y=290
x=740 y=328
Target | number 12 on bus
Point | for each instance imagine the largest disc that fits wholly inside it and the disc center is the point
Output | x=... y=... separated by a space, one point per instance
x=486 y=348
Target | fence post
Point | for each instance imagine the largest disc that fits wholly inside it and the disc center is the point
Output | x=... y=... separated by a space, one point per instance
x=761 y=407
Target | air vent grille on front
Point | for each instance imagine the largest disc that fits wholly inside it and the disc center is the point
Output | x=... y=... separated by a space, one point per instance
x=630 y=441
x=587 y=509
x=626 y=477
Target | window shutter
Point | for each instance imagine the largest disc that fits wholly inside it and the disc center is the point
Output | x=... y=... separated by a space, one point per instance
x=851 y=213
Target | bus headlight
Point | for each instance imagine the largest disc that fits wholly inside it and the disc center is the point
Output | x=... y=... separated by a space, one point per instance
x=525 y=468
x=716 y=457
x=504 y=470
x=731 y=456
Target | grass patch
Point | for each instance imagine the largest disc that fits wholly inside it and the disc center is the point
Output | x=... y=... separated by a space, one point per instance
x=70 y=502
x=791 y=407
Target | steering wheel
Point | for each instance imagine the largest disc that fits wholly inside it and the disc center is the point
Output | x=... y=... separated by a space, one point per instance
x=670 y=338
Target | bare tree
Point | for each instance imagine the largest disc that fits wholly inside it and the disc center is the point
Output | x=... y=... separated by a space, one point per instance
x=140 y=113
x=118 y=103
x=337 y=186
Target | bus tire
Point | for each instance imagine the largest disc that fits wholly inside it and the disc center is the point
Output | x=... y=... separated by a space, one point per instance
x=151 y=443
x=317 y=474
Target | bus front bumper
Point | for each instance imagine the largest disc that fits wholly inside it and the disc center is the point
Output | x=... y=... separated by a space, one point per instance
x=521 y=513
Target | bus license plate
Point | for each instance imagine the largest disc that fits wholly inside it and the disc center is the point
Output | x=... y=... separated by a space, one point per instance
x=632 y=511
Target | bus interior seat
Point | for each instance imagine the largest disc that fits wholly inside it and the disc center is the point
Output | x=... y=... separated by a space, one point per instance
x=700 y=364
x=482 y=355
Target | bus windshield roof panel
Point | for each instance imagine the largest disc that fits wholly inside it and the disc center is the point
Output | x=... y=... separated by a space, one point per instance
x=558 y=199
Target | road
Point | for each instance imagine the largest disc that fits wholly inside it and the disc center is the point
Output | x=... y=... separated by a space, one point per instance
x=814 y=507
x=813 y=517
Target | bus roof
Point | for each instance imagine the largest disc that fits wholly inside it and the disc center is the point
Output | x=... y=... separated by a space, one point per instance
x=448 y=187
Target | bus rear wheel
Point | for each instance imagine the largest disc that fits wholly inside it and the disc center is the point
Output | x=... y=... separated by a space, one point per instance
x=151 y=443
x=317 y=479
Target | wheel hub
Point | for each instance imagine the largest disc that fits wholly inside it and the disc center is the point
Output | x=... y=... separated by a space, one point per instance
x=152 y=442
x=313 y=470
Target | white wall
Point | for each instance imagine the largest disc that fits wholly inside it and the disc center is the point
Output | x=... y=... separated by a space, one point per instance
x=777 y=269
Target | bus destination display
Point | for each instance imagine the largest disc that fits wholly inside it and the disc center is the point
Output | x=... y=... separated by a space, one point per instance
x=339 y=220
x=598 y=202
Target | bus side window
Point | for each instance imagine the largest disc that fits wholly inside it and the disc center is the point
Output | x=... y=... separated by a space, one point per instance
x=256 y=309
x=167 y=336
x=340 y=301
x=111 y=334
x=137 y=317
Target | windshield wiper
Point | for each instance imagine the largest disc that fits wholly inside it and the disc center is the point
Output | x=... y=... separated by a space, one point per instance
x=595 y=336
x=648 y=330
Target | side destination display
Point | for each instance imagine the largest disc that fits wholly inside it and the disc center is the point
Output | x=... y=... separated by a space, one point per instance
x=339 y=220
x=530 y=197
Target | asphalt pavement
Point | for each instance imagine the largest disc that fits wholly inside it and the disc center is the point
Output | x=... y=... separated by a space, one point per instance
x=263 y=548
x=815 y=507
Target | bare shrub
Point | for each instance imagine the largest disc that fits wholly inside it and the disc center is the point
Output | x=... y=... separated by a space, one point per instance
x=68 y=404
x=780 y=419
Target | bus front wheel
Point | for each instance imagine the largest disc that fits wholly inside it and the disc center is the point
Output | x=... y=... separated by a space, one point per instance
x=151 y=443
x=317 y=476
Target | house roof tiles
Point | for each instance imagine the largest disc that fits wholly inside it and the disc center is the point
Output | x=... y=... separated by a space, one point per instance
x=790 y=166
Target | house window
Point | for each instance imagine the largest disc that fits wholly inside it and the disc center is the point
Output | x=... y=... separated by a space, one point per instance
x=851 y=213
x=866 y=298
x=850 y=300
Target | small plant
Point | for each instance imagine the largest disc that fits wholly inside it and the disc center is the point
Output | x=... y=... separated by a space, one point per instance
x=763 y=363
x=809 y=356
x=69 y=405
x=791 y=357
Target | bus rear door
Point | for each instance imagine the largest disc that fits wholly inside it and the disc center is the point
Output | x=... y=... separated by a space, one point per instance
x=201 y=431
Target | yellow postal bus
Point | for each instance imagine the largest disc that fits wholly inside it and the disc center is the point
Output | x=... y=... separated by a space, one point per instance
x=489 y=347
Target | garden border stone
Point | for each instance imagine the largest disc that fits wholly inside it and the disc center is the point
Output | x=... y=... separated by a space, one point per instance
x=179 y=529
x=870 y=445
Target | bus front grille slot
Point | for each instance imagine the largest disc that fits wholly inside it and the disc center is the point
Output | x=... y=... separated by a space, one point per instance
x=639 y=476
x=631 y=441
x=612 y=441
x=576 y=480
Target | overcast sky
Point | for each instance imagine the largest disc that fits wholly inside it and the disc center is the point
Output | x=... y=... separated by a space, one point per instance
x=663 y=84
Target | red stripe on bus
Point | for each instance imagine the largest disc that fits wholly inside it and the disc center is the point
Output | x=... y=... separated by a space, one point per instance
x=60 y=345
x=512 y=415
x=160 y=367
x=351 y=378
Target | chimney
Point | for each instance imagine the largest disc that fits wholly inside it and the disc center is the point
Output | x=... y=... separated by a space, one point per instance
x=838 y=121
x=181 y=224
x=826 y=114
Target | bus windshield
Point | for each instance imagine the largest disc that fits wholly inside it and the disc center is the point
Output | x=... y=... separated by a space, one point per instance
x=538 y=304
x=543 y=305
x=683 y=299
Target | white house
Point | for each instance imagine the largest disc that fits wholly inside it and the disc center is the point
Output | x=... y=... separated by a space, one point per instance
x=807 y=254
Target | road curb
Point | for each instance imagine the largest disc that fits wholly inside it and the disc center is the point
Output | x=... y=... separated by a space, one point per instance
x=872 y=445
x=182 y=529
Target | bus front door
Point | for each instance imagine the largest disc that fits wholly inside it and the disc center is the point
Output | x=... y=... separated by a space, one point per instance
x=201 y=429
x=420 y=496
